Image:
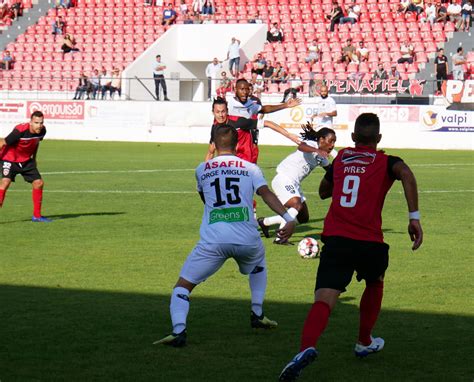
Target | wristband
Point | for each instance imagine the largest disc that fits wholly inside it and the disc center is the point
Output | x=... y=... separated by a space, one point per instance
x=288 y=218
x=415 y=215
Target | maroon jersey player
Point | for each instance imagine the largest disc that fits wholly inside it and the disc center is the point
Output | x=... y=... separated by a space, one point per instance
x=18 y=156
x=358 y=182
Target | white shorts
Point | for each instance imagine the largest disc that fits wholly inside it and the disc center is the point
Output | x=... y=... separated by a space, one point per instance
x=286 y=188
x=206 y=259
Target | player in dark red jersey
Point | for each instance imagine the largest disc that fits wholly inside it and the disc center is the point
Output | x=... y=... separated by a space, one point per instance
x=18 y=156
x=243 y=115
x=358 y=182
x=221 y=116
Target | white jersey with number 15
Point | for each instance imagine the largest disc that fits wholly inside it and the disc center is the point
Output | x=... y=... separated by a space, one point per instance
x=228 y=184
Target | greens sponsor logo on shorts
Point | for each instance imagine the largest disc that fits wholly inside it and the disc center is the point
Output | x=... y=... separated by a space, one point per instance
x=229 y=215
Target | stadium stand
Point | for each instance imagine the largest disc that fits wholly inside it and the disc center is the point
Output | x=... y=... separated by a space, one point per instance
x=112 y=33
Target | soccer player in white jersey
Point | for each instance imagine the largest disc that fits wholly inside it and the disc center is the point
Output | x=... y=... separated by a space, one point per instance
x=226 y=185
x=312 y=152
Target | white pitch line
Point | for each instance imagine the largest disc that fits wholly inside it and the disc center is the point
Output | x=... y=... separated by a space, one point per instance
x=192 y=169
x=115 y=171
x=195 y=192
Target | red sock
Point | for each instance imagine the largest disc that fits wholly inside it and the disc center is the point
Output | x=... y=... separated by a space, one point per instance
x=2 y=196
x=315 y=324
x=37 y=199
x=370 y=305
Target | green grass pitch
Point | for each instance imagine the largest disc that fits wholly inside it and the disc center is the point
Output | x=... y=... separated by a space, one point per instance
x=83 y=298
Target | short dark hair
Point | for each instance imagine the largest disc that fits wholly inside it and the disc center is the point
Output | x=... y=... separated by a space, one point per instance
x=459 y=49
x=241 y=80
x=225 y=137
x=37 y=113
x=367 y=128
x=219 y=101
x=158 y=55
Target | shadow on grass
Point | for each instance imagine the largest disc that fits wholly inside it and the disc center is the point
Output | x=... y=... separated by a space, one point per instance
x=76 y=335
x=68 y=216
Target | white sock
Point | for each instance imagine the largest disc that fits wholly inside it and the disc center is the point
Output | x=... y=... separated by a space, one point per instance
x=272 y=220
x=293 y=212
x=258 y=285
x=179 y=308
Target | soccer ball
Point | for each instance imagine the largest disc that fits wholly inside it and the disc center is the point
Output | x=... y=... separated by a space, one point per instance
x=308 y=248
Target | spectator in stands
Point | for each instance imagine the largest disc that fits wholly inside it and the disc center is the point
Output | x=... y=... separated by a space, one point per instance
x=353 y=13
x=159 y=76
x=313 y=52
x=441 y=69
x=208 y=7
x=7 y=60
x=4 y=11
x=296 y=85
x=419 y=6
x=335 y=15
x=188 y=19
x=458 y=64
x=259 y=86
x=116 y=85
x=255 y=19
x=430 y=11
x=406 y=49
x=466 y=12
x=268 y=70
x=454 y=13
x=212 y=72
x=58 y=25
x=441 y=13
x=69 y=44
x=380 y=73
x=225 y=85
x=105 y=80
x=278 y=74
x=169 y=15
x=406 y=6
x=394 y=74
x=208 y=19
x=362 y=52
x=197 y=19
x=233 y=55
x=275 y=34
x=82 y=87
x=183 y=8
x=258 y=64
x=197 y=6
x=94 y=84
x=349 y=52
x=16 y=8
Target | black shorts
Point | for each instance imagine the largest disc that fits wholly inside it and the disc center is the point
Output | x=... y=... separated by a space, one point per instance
x=341 y=256
x=27 y=170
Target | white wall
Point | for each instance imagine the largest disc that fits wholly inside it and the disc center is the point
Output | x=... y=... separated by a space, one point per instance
x=403 y=126
x=186 y=50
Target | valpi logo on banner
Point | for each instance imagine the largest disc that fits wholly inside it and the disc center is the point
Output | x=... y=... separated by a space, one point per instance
x=447 y=120
x=57 y=109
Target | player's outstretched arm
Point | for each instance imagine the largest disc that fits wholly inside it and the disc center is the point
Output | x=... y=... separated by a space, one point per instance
x=275 y=127
x=309 y=149
x=289 y=104
x=403 y=173
x=272 y=201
